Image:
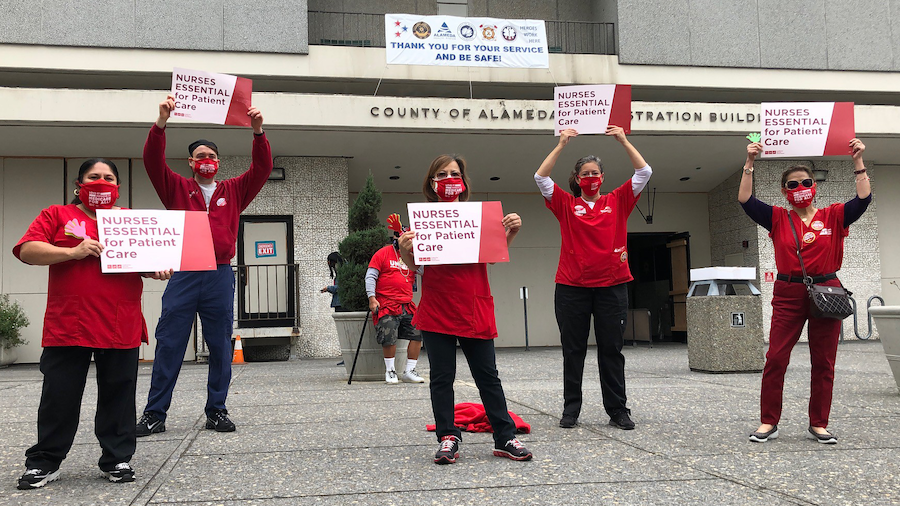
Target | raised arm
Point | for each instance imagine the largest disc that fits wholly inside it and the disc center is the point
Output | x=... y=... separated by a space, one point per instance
x=512 y=223
x=260 y=169
x=547 y=165
x=637 y=161
x=863 y=187
x=161 y=176
x=746 y=188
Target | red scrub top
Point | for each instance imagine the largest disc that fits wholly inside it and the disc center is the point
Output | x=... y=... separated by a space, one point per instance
x=821 y=242
x=594 y=240
x=85 y=307
x=456 y=300
x=393 y=288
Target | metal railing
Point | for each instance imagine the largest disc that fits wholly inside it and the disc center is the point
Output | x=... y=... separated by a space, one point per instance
x=268 y=295
x=355 y=29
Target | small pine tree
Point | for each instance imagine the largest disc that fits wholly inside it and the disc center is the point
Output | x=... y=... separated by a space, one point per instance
x=12 y=319
x=366 y=237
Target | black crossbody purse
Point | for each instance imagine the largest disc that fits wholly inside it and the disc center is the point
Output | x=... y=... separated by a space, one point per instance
x=824 y=301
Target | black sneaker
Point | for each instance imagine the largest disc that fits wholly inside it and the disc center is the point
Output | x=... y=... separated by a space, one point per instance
x=219 y=420
x=621 y=420
x=568 y=421
x=448 y=452
x=37 y=478
x=514 y=450
x=149 y=424
x=122 y=473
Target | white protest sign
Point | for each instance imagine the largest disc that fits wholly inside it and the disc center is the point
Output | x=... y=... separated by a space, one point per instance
x=150 y=240
x=591 y=108
x=458 y=232
x=792 y=129
x=465 y=42
x=211 y=98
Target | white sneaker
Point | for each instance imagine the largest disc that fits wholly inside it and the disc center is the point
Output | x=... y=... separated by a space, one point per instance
x=390 y=377
x=411 y=376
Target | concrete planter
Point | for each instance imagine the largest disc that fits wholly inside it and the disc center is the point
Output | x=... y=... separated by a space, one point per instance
x=370 y=365
x=8 y=356
x=887 y=320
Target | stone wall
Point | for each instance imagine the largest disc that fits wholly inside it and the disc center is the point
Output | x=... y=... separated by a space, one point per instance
x=314 y=191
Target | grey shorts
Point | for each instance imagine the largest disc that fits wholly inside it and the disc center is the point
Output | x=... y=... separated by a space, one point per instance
x=392 y=327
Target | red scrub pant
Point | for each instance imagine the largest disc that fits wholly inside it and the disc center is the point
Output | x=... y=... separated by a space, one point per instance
x=790 y=311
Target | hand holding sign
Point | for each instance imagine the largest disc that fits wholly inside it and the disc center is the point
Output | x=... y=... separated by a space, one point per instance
x=565 y=135
x=857 y=148
x=753 y=150
x=617 y=132
x=87 y=247
x=256 y=120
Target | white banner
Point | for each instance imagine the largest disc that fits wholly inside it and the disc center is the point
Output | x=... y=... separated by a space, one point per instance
x=458 y=232
x=795 y=129
x=465 y=42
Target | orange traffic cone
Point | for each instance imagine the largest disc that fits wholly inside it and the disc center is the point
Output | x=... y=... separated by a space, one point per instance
x=238 y=351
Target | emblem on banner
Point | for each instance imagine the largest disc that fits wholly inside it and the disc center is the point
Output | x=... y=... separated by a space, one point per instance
x=422 y=30
x=509 y=33
x=466 y=31
x=488 y=32
x=809 y=237
x=444 y=32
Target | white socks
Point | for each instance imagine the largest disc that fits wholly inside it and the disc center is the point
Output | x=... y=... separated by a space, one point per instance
x=389 y=364
x=411 y=364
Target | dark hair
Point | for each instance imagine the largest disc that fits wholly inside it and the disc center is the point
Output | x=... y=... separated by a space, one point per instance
x=438 y=164
x=576 y=190
x=202 y=142
x=795 y=168
x=88 y=165
x=334 y=259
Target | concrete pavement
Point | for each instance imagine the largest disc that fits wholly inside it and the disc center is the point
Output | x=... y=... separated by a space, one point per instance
x=305 y=437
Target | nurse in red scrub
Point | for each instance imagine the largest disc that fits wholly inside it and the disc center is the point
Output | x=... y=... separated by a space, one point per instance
x=821 y=234
x=593 y=272
x=457 y=308
x=89 y=314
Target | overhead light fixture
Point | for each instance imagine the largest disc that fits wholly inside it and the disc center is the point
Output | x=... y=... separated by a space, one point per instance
x=396 y=166
x=685 y=178
x=495 y=178
x=394 y=177
x=277 y=174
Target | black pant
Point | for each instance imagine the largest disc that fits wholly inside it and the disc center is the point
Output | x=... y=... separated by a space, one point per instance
x=65 y=371
x=574 y=308
x=482 y=361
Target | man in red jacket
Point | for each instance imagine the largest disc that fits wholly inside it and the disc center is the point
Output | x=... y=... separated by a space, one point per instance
x=209 y=293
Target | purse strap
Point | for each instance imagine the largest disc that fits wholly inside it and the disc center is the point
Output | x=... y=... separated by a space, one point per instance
x=806 y=279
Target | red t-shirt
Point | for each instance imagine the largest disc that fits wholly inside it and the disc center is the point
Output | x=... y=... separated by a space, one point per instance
x=456 y=300
x=85 y=307
x=821 y=242
x=394 y=286
x=594 y=240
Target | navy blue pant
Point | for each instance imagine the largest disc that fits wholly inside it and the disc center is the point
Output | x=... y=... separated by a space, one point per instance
x=65 y=370
x=574 y=308
x=211 y=294
x=441 y=349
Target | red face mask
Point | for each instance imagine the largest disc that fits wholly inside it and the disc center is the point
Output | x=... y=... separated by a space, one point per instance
x=206 y=167
x=99 y=194
x=801 y=196
x=448 y=189
x=590 y=185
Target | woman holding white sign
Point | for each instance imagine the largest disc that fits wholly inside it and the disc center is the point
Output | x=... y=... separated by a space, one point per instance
x=89 y=314
x=457 y=307
x=819 y=238
x=593 y=272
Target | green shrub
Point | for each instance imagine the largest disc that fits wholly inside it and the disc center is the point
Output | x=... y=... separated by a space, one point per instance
x=366 y=237
x=12 y=320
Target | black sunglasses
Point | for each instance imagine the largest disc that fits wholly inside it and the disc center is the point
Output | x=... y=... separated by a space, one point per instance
x=793 y=185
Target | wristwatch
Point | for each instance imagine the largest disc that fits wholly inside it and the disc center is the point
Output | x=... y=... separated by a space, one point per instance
x=748 y=171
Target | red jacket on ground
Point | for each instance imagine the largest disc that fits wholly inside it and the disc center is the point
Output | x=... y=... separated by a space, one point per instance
x=471 y=417
x=230 y=198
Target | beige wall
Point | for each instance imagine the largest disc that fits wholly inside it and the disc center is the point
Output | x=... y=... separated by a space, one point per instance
x=535 y=254
x=887 y=193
